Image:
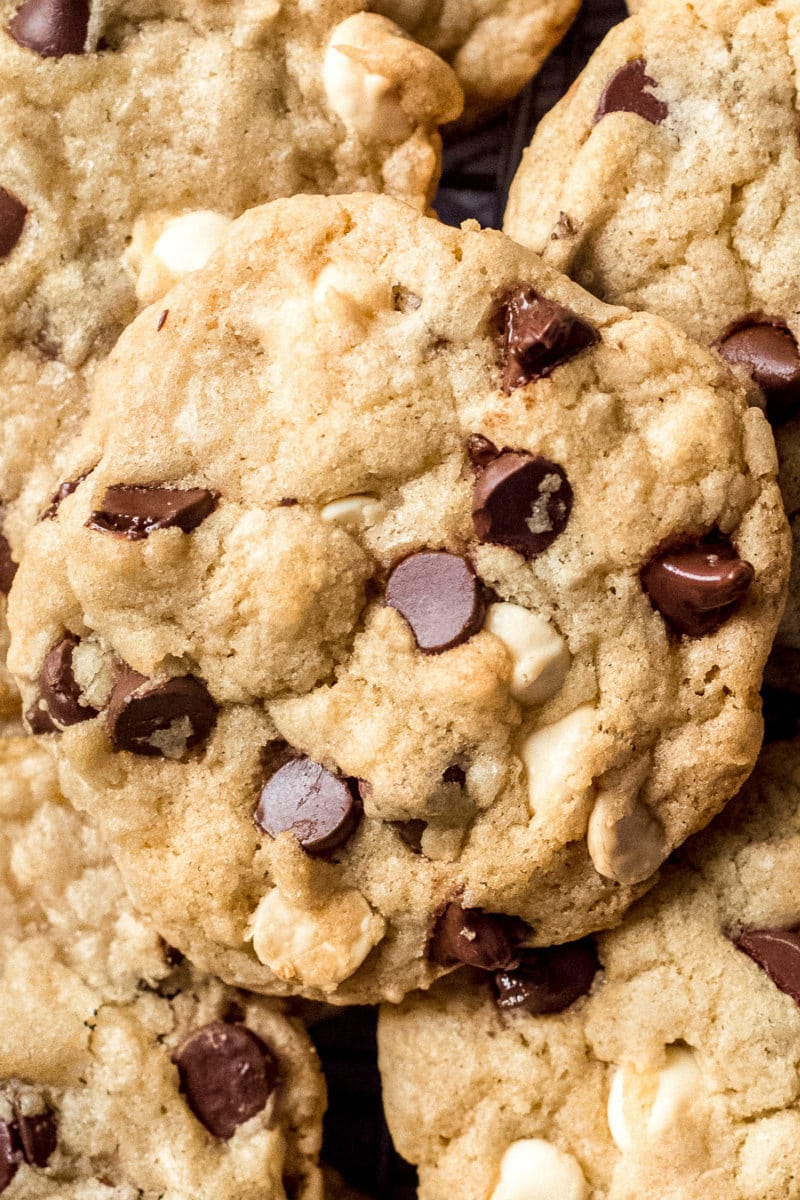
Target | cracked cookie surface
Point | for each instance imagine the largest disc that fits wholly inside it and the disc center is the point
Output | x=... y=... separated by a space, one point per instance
x=660 y=1060
x=404 y=602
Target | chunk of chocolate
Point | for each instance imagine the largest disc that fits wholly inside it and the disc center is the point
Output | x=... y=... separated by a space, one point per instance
x=38 y=1136
x=227 y=1075
x=8 y=565
x=134 y=511
x=51 y=28
x=698 y=586
x=475 y=938
x=64 y=489
x=155 y=718
x=10 y=1153
x=60 y=697
x=539 y=335
x=521 y=501
x=769 y=353
x=548 y=980
x=320 y=809
x=12 y=221
x=631 y=90
x=777 y=951
x=480 y=450
x=439 y=596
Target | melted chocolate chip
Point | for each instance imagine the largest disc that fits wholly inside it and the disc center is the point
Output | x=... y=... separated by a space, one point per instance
x=549 y=980
x=697 y=587
x=777 y=951
x=539 y=335
x=630 y=90
x=51 y=28
x=8 y=565
x=12 y=221
x=59 y=694
x=39 y=721
x=769 y=352
x=227 y=1075
x=480 y=450
x=38 y=1136
x=134 y=511
x=159 y=718
x=64 y=489
x=521 y=502
x=10 y=1153
x=439 y=596
x=321 y=809
x=475 y=938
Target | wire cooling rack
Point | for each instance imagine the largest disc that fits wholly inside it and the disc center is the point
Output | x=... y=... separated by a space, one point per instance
x=478 y=170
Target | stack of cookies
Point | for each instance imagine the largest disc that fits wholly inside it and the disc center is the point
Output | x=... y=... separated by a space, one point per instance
x=386 y=613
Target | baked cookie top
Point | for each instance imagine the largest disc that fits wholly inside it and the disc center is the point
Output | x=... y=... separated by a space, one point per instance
x=397 y=583
x=494 y=46
x=658 y=1060
x=123 y=1071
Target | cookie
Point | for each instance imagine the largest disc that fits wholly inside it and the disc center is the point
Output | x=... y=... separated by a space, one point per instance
x=668 y=179
x=656 y=1061
x=398 y=588
x=495 y=48
x=123 y=1071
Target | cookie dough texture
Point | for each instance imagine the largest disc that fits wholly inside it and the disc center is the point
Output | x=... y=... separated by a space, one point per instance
x=93 y=1005
x=494 y=46
x=676 y=1077
x=321 y=379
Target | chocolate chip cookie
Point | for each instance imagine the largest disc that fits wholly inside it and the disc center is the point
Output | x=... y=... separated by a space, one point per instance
x=401 y=603
x=495 y=48
x=659 y=1060
x=668 y=179
x=124 y=1071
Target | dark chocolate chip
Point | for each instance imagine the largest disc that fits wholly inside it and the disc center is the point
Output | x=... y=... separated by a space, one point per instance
x=521 y=502
x=12 y=220
x=439 y=596
x=60 y=695
x=10 y=1153
x=39 y=721
x=162 y=320
x=227 y=1075
x=777 y=951
x=630 y=90
x=64 y=489
x=769 y=352
x=696 y=587
x=134 y=511
x=455 y=774
x=38 y=1136
x=166 y=717
x=8 y=565
x=549 y=980
x=51 y=28
x=480 y=450
x=538 y=335
x=321 y=809
x=474 y=937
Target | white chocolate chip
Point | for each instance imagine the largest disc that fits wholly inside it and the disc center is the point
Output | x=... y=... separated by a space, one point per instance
x=347 y=292
x=533 y=1169
x=540 y=655
x=643 y=1105
x=364 y=100
x=553 y=754
x=316 y=948
x=354 y=512
x=626 y=840
x=188 y=242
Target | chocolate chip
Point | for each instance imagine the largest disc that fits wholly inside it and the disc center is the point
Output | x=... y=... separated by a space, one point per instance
x=439 y=596
x=51 y=28
x=480 y=450
x=227 y=1075
x=135 y=510
x=166 y=717
x=59 y=694
x=8 y=565
x=64 y=489
x=538 y=335
x=696 y=587
x=162 y=320
x=12 y=220
x=630 y=90
x=321 y=809
x=455 y=774
x=410 y=833
x=10 y=1153
x=549 y=980
x=521 y=502
x=777 y=951
x=769 y=352
x=474 y=937
x=38 y=1136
